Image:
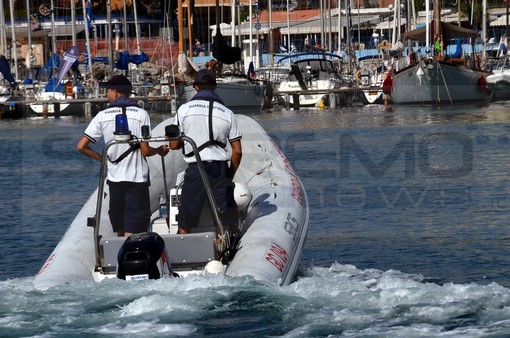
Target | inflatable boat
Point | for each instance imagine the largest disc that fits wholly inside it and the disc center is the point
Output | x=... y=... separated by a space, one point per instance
x=267 y=246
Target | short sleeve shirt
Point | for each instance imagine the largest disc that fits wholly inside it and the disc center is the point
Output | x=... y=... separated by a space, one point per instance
x=193 y=119
x=134 y=167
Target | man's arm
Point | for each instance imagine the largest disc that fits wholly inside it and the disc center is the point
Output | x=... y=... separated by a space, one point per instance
x=237 y=154
x=148 y=151
x=176 y=144
x=83 y=147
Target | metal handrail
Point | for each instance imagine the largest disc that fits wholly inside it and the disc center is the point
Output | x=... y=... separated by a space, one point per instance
x=201 y=168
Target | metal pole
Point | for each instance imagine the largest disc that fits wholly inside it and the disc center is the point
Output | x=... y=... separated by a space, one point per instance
x=251 y=32
x=137 y=29
x=321 y=21
x=73 y=21
x=109 y=31
x=53 y=37
x=288 y=27
x=484 y=28
x=180 y=22
x=126 y=37
x=3 y=33
x=14 y=53
x=29 y=36
x=87 y=39
x=190 y=30
x=271 y=37
x=340 y=28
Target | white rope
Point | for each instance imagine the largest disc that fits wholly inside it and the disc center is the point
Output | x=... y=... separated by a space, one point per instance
x=445 y=85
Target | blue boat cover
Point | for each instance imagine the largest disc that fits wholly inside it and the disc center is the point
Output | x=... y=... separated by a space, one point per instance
x=5 y=69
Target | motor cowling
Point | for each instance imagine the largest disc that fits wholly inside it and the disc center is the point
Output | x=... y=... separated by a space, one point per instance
x=143 y=256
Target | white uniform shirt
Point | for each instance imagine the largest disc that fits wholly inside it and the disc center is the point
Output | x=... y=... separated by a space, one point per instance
x=193 y=119
x=132 y=168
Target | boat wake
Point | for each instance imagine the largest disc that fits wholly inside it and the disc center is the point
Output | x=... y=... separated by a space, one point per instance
x=335 y=300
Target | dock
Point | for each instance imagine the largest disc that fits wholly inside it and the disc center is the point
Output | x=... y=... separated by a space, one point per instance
x=18 y=108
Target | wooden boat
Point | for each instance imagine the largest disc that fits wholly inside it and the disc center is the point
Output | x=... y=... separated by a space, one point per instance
x=272 y=228
x=438 y=78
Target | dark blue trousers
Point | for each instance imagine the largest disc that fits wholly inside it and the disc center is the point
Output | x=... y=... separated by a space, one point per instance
x=194 y=196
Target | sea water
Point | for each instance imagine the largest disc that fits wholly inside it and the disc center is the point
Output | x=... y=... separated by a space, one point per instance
x=408 y=233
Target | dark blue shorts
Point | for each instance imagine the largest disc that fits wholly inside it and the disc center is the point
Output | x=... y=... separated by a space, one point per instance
x=194 y=196
x=129 y=206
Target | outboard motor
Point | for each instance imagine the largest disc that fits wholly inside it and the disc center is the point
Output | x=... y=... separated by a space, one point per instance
x=143 y=256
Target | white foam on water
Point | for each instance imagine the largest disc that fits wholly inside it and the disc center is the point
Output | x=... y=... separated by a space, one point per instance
x=324 y=301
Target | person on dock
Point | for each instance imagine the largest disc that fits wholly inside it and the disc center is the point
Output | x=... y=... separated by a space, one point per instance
x=207 y=121
x=128 y=172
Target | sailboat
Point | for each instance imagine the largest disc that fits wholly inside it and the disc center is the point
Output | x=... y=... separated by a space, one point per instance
x=238 y=92
x=438 y=78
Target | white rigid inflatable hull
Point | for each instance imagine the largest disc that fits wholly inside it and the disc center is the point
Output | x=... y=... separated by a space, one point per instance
x=277 y=219
x=276 y=222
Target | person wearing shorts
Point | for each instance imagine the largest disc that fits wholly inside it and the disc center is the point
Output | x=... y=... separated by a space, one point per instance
x=128 y=171
x=212 y=126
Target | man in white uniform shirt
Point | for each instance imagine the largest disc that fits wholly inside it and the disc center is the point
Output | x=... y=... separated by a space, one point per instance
x=212 y=126
x=128 y=172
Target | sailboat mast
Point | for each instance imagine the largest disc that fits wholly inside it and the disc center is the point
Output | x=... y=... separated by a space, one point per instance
x=321 y=7
x=340 y=28
x=271 y=36
x=3 y=38
x=87 y=37
x=427 y=24
x=330 y=28
x=233 y=22
x=288 y=27
x=73 y=22
x=126 y=37
x=180 y=18
x=53 y=37
x=190 y=31
x=137 y=29
x=251 y=31
x=14 y=54
x=109 y=31
x=29 y=36
x=484 y=27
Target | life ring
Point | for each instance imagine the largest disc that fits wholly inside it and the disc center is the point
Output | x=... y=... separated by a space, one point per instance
x=358 y=75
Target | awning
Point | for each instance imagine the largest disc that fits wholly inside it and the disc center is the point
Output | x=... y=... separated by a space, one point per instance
x=60 y=30
x=389 y=24
x=501 y=21
x=212 y=3
x=448 y=30
x=315 y=26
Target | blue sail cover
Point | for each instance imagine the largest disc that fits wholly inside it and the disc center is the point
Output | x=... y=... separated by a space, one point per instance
x=139 y=58
x=123 y=61
x=103 y=59
x=6 y=71
x=53 y=62
x=53 y=85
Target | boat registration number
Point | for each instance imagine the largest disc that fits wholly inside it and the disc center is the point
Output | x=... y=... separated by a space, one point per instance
x=137 y=277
